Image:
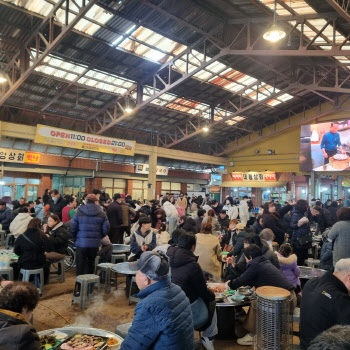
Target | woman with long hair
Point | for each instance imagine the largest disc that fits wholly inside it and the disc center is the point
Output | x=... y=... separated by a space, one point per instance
x=208 y=251
x=231 y=208
x=273 y=220
x=58 y=235
x=211 y=219
x=158 y=218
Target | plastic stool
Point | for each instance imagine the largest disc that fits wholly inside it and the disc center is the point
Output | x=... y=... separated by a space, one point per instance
x=106 y=275
x=83 y=289
x=59 y=273
x=118 y=257
x=10 y=241
x=123 y=329
x=97 y=261
x=132 y=298
x=38 y=278
x=7 y=271
x=2 y=237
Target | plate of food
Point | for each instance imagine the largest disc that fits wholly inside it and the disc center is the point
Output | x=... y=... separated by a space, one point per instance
x=79 y=341
x=218 y=289
x=49 y=342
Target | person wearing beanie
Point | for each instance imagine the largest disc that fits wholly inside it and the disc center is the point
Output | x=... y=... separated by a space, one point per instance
x=163 y=317
x=88 y=226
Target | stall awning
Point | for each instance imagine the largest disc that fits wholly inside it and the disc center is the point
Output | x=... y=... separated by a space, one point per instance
x=254 y=184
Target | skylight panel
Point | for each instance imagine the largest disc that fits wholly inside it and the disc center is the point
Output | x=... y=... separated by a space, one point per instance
x=230 y=122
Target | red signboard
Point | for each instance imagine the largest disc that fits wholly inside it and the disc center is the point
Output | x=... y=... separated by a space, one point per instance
x=237 y=176
x=270 y=176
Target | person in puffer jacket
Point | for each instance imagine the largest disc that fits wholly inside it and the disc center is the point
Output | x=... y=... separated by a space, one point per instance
x=88 y=227
x=288 y=263
x=163 y=317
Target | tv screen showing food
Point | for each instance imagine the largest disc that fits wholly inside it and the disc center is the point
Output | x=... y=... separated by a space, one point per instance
x=325 y=146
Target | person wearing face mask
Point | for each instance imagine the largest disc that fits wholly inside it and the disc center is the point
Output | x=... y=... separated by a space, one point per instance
x=57 y=204
x=273 y=220
x=231 y=208
x=216 y=206
x=244 y=210
x=182 y=202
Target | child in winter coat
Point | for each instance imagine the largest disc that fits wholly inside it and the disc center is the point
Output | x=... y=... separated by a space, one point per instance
x=162 y=235
x=288 y=263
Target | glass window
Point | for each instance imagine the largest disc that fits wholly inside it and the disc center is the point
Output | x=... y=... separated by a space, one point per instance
x=107 y=182
x=20 y=180
x=8 y=180
x=175 y=186
x=137 y=194
x=7 y=191
x=119 y=183
x=34 y=181
x=20 y=192
x=137 y=184
x=166 y=186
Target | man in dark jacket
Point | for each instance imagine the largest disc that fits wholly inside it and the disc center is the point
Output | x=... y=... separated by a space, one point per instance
x=325 y=302
x=199 y=218
x=322 y=217
x=189 y=225
x=163 y=317
x=17 y=302
x=115 y=217
x=127 y=213
x=216 y=206
x=187 y=273
x=57 y=204
x=260 y=272
x=19 y=204
x=88 y=227
x=223 y=220
x=5 y=216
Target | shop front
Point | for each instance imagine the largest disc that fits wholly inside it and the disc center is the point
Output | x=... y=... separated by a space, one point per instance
x=260 y=186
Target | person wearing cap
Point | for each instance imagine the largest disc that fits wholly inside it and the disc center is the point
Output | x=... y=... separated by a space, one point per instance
x=163 y=317
x=143 y=239
x=115 y=217
x=241 y=234
x=88 y=226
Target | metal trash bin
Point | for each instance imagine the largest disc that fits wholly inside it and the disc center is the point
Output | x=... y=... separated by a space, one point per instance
x=274 y=330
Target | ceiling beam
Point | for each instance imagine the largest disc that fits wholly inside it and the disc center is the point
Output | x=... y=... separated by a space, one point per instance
x=38 y=38
x=340 y=10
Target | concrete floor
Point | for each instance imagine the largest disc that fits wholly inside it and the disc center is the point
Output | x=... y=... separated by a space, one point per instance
x=106 y=312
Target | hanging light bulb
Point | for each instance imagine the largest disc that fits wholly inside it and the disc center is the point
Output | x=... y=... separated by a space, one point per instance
x=274 y=33
x=205 y=129
x=3 y=79
x=128 y=109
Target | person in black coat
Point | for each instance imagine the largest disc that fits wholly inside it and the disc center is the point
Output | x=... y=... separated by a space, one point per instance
x=115 y=217
x=5 y=216
x=273 y=220
x=299 y=223
x=190 y=225
x=187 y=273
x=322 y=217
x=260 y=272
x=17 y=302
x=333 y=208
x=57 y=204
x=30 y=247
x=258 y=225
x=46 y=197
x=57 y=238
x=325 y=302
x=223 y=220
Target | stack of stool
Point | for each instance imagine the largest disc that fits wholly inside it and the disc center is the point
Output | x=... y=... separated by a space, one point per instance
x=84 y=287
x=7 y=273
x=59 y=273
x=38 y=278
x=106 y=272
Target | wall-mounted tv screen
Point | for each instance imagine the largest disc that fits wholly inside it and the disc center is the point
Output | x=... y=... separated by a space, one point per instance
x=325 y=146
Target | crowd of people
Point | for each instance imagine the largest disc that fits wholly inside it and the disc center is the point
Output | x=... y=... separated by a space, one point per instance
x=176 y=246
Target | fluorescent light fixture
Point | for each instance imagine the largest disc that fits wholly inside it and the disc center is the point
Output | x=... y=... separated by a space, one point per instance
x=205 y=129
x=120 y=38
x=268 y=191
x=324 y=189
x=128 y=110
x=2 y=182
x=236 y=190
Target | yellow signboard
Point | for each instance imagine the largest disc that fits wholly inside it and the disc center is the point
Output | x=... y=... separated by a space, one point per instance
x=18 y=156
x=49 y=135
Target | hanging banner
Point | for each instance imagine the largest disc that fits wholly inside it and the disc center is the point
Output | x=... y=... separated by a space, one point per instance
x=254 y=176
x=144 y=169
x=49 y=135
x=17 y=156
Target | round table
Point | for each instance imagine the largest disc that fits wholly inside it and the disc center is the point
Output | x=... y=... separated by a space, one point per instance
x=69 y=330
x=121 y=249
x=124 y=269
x=307 y=273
